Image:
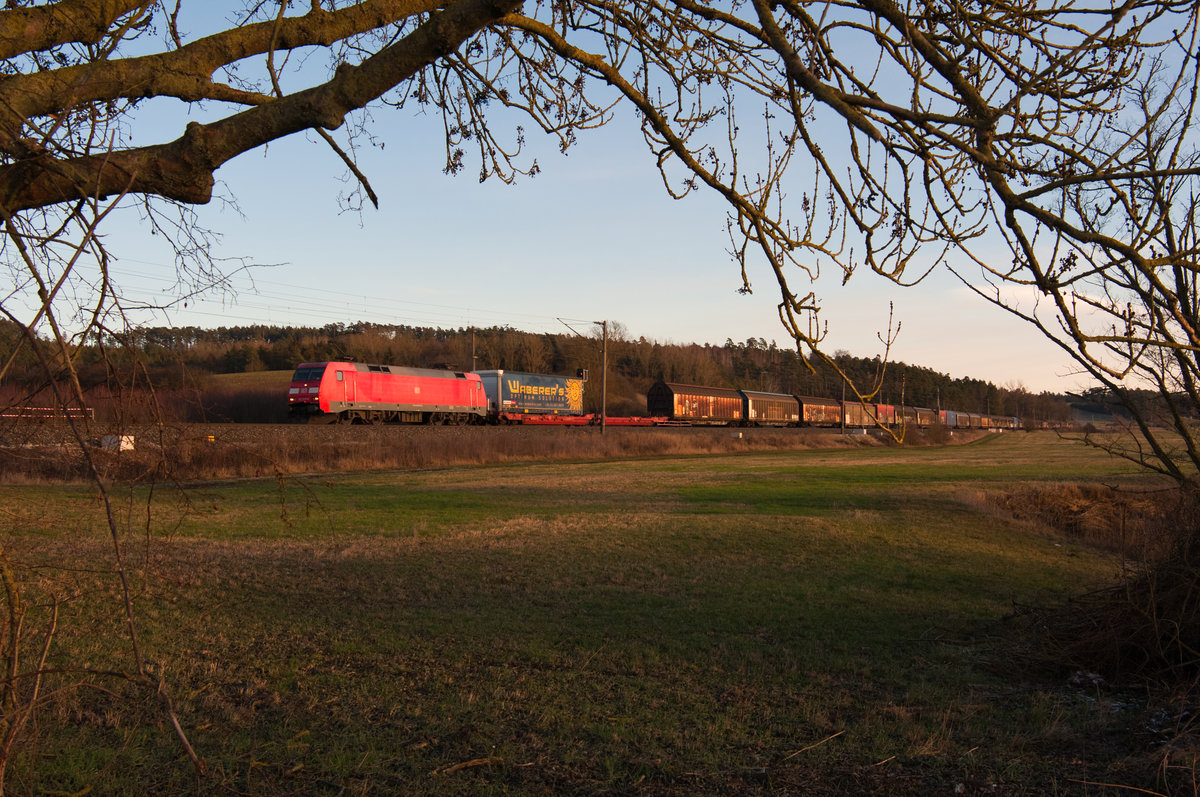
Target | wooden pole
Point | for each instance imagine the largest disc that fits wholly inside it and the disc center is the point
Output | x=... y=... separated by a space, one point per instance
x=603 y=376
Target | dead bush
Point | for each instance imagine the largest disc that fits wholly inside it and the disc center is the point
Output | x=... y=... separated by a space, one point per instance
x=1137 y=524
x=1148 y=624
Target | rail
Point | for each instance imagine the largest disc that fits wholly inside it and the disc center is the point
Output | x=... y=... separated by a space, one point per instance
x=46 y=413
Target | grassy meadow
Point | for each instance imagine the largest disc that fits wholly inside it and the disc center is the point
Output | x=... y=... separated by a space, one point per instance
x=806 y=622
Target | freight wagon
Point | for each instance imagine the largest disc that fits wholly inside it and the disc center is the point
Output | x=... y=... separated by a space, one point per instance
x=343 y=392
x=694 y=404
x=770 y=409
x=886 y=414
x=857 y=415
x=511 y=394
x=926 y=417
x=820 y=411
x=961 y=420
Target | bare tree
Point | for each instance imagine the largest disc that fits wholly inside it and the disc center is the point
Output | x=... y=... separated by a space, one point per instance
x=1018 y=144
x=1043 y=152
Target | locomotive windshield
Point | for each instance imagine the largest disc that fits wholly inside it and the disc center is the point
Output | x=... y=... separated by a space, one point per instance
x=308 y=374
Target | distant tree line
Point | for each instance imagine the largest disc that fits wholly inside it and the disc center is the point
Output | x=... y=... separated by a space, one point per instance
x=181 y=358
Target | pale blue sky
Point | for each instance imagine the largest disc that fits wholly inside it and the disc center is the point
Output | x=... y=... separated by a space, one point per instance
x=594 y=236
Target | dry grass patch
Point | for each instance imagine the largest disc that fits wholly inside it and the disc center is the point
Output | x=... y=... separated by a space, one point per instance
x=1135 y=520
x=189 y=452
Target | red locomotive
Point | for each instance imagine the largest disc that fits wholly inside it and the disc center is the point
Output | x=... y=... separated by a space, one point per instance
x=361 y=393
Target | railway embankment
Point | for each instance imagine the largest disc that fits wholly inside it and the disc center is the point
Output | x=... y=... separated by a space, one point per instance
x=192 y=451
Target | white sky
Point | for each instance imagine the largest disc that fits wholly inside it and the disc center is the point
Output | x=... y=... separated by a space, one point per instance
x=594 y=236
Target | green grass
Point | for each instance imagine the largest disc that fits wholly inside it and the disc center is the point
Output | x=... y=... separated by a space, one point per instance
x=811 y=622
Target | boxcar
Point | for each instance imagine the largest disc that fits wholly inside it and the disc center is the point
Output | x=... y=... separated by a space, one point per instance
x=770 y=409
x=857 y=415
x=513 y=393
x=365 y=393
x=819 y=411
x=694 y=404
x=999 y=422
x=918 y=416
x=886 y=413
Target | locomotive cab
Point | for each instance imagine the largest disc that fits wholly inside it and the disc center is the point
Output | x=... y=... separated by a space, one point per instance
x=305 y=391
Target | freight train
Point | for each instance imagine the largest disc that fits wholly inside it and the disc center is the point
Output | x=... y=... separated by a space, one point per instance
x=346 y=392
x=697 y=405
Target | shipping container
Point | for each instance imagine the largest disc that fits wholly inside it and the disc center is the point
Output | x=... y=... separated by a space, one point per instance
x=694 y=404
x=519 y=393
x=770 y=409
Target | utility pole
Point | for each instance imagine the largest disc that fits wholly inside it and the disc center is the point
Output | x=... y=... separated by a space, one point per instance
x=603 y=365
x=603 y=375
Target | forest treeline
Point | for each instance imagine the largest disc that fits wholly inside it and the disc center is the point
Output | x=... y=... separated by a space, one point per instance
x=180 y=359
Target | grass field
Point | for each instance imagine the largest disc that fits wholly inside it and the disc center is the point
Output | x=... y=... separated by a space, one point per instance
x=814 y=622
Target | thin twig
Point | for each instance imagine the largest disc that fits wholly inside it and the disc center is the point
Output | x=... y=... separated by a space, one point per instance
x=475 y=762
x=169 y=710
x=351 y=165
x=1116 y=786
x=814 y=744
x=594 y=654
